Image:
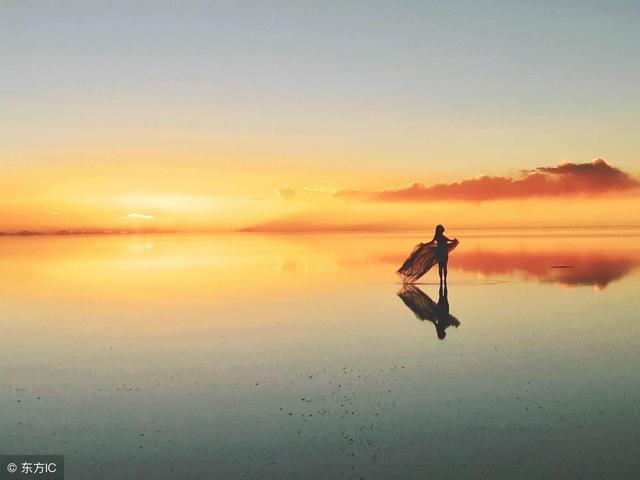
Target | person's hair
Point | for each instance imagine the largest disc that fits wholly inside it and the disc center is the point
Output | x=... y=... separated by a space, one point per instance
x=439 y=230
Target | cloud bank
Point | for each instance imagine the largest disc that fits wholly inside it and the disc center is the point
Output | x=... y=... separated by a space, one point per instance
x=566 y=179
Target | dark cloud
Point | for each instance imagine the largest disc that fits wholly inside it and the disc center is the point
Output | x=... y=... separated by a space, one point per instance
x=565 y=179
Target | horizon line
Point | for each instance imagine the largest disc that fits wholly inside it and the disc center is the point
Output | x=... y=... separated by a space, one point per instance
x=294 y=231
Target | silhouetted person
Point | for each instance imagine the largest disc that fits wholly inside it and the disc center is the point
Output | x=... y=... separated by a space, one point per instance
x=442 y=251
x=426 y=255
x=424 y=308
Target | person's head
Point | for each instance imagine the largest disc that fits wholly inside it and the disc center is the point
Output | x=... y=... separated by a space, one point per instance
x=441 y=333
x=439 y=230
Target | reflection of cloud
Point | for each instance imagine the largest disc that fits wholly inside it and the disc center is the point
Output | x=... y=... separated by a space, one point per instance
x=288 y=265
x=566 y=179
x=286 y=193
x=570 y=268
x=141 y=216
x=141 y=246
x=566 y=268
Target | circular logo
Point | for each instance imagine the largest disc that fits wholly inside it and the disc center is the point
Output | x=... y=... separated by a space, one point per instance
x=12 y=468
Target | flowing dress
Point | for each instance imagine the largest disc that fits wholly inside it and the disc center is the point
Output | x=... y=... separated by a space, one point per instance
x=422 y=258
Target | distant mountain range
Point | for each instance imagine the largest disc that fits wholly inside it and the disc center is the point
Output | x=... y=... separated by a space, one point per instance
x=23 y=233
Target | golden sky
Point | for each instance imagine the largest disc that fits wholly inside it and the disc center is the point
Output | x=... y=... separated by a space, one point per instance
x=201 y=197
x=295 y=116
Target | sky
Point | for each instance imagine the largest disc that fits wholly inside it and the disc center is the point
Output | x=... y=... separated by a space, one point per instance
x=317 y=115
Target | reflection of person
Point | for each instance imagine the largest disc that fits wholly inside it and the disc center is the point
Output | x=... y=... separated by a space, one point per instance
x=442 y=251
x=424 y=308
x=443 y=311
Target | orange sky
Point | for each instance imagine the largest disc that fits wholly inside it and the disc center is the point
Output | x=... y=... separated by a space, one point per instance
x=198 y=196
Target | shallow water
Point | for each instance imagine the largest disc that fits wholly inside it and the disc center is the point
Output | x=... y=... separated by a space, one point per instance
x=248 y=356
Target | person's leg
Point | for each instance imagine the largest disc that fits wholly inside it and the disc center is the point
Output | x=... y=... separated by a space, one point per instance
x=440 y=271
x=444 y=268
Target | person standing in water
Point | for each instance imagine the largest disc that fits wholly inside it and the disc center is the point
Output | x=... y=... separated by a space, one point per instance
x=426 y=255
x=442 y=251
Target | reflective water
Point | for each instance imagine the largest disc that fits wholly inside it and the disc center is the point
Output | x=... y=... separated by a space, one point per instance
x=245 y=356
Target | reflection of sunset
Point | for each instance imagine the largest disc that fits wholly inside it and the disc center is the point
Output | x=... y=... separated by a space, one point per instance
x=150 y=268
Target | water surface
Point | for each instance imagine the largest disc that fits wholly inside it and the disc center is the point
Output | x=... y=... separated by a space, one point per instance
x=291 y=356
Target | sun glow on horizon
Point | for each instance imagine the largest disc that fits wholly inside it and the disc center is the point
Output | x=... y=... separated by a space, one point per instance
x=141 y=216
x=115 y=197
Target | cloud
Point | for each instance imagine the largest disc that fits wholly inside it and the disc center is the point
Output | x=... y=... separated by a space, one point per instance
x=285 y=193
x=565 y=179
x=141 y=216
x=320 y=189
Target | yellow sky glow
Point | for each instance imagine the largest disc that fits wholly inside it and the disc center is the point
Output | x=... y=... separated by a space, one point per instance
x=194 y=196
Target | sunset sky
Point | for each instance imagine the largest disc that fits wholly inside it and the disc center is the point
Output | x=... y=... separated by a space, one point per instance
x=274 y=116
